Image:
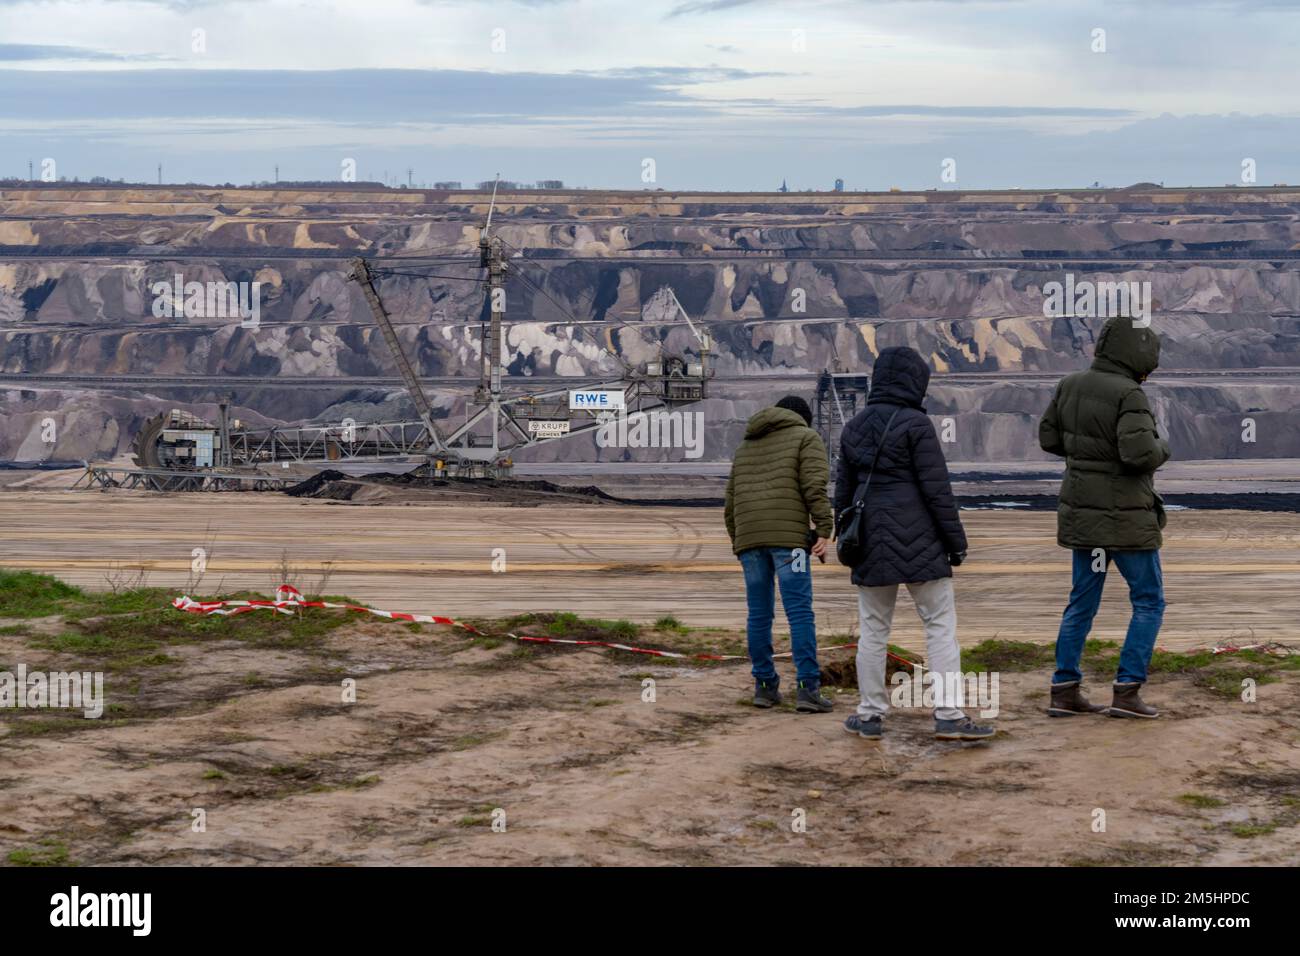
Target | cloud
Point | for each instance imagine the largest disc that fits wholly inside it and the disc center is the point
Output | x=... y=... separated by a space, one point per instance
x=708 y=6
x=32 y=52
x=367 y=96
x=974 y=112
x=465 y=97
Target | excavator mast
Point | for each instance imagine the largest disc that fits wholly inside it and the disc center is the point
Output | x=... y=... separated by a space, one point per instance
x=361 y=275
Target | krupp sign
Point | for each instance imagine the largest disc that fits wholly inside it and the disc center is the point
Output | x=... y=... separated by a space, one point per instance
x=546 y=428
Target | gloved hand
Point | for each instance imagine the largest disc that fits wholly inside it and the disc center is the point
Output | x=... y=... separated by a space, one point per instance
x=955 y=558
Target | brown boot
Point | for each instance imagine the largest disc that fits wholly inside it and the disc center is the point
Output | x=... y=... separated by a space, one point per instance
x=1127 y=703
x=1068 y=700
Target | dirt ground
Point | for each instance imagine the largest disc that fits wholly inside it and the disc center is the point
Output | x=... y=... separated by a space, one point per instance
x=448 y=733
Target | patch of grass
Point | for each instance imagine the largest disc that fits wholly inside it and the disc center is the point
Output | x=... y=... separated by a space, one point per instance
x=569 y=625
x=619 y=630
x=1173 y=662
x=103 y=603
x=233 y=737
x=94 y=645
x=117 y=627
x=1227 y=682
x=1202 y=802
x=1132 y=854
x=1220 y=674
x=1007 y=656
x=670 y=623
x=27 y=594
x=357 y=783
x=147 y=660
x=1100 y=655
x=213 y=775
x=1248 y=830
x=470 y=741
x=562 y=623
x=49 y=852
x=136 y=638
x=15 y=630
x=474 y=821
x=40 y=726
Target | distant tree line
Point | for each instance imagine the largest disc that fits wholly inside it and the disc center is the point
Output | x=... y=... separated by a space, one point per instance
x=333 y=184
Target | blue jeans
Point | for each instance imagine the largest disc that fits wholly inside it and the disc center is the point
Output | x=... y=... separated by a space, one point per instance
x=1141 y=569
x=763 y=568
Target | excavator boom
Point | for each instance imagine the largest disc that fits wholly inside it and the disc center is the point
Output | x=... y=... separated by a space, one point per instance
x=362 y=276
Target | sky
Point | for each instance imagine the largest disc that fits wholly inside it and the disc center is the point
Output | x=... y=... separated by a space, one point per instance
x=672 y=94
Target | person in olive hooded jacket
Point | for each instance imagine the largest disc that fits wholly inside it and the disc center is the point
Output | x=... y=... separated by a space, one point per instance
x=778 y=513
x=1099 y=420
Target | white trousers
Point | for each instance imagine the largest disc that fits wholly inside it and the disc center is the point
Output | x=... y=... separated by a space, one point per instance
x=938 y=611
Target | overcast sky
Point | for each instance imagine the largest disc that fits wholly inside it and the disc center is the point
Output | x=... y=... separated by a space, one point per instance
x=720 y=94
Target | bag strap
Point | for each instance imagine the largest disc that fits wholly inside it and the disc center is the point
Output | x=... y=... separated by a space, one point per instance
x=859 y=496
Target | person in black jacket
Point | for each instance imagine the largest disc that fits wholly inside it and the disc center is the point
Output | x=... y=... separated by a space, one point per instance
x=912 y=535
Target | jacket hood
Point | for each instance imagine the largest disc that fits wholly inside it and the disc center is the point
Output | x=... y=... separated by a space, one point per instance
x=1127 y=349
x=772 y=419
x=900 y=377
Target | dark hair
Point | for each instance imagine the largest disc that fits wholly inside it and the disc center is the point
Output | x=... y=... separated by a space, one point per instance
x=797 y=405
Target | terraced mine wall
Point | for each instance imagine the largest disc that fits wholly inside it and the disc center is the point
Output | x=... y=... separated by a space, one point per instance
x=788 y=284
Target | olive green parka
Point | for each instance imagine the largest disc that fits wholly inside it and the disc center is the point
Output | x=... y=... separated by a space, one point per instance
x=1100 y=421
x=778 y=484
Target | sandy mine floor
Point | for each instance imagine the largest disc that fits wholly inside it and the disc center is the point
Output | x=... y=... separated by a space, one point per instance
x=1229 y=575
x=445 y=732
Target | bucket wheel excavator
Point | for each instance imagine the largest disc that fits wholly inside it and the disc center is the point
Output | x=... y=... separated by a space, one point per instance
x=176 y=450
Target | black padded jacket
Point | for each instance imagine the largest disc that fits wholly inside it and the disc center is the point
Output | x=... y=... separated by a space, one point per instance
x=911 y=525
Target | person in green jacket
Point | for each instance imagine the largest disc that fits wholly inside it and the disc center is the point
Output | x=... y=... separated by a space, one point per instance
x=778 y=516
x=1099 y=420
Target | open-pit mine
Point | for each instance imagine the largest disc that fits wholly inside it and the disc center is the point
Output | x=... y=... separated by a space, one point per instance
x=700 y=304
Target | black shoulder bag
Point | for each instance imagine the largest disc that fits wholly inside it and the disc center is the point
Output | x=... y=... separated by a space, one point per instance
x=850 y=544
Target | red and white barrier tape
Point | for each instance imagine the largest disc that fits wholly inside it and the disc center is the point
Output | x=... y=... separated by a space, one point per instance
x=289 y=599
x=1272 y=648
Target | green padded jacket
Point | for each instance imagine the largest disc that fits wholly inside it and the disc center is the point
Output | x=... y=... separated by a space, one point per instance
x=1100 y=421
x=777 y=489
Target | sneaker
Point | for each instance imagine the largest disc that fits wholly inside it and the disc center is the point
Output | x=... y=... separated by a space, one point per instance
x=811 y=701
x=961 y=729
x=767 y=693
x=869 y=728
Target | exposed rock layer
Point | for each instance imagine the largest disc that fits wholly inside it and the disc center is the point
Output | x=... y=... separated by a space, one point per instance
x=787 y=285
